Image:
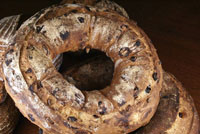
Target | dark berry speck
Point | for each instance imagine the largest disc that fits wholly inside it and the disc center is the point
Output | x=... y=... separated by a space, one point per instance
x=95 y=116
x=72 y=119
x=64 y=35
x=8 y=62
x=99 y=103
x=124 y=52
x=81 y=19
x=133 y=58
x=180 y=115
x=29 y=70
x=148 y=89
x=137 y=43
x=155 y=76
x=31 y=117
x=39 y=28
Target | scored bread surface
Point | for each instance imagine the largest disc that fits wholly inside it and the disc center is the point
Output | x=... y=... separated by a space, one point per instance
x=55 y=105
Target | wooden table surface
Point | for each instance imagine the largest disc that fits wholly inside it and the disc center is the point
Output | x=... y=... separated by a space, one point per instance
x=174 y=28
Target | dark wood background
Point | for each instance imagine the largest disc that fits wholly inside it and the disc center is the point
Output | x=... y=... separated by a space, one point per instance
x=173 y=26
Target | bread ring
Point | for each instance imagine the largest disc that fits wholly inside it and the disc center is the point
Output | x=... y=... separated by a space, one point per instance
x=55 y=105
x=176 y=113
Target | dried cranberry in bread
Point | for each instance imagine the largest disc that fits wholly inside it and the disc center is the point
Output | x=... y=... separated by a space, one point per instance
x=55 y=105
x=176 y=113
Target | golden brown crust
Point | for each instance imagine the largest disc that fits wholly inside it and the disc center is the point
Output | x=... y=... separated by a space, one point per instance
x=3 y=93
x=8 y=26
x=176 y=110
x=195 y=126
x=8 y=112
x=49 y=101
x=101 y=4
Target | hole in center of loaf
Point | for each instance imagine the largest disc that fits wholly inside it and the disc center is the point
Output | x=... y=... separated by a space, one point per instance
x=87 y=70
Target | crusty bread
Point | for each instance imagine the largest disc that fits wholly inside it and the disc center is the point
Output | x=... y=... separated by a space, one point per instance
x=101 y=4
x=8 y=112
x=55 y=105
x=9 y=116
x=176 y=113
x=8 y=26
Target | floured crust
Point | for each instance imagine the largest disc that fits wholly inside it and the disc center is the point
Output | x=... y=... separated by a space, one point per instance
x=8 y=26
x=101 y=4
x=176 y=113
x=8 y=112
x=55 y=105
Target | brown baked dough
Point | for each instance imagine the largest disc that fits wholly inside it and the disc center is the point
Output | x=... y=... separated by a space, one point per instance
x=9 y=116
x=101 y=4
x=55 y=105
x=8 y=112
x=106 y=5
x=195 y=126
x=8 y=26
x=176 y=113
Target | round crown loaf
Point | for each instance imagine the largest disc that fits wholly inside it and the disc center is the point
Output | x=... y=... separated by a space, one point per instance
x=176 y=113
x=49 y=101
x=105 y=5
